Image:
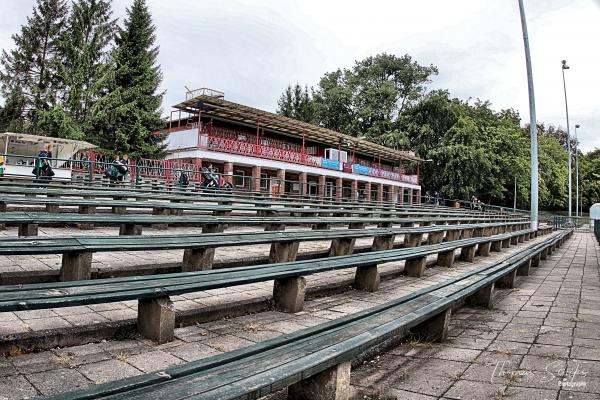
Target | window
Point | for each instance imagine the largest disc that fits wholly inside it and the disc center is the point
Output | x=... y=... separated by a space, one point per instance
x=239 y=178
x=264 y=181
x=328 y=189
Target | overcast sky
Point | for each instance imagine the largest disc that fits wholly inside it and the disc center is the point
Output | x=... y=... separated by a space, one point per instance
x=253 y=49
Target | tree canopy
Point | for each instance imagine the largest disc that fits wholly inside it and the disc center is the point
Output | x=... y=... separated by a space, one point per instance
x=74 y=73
x=471 y=148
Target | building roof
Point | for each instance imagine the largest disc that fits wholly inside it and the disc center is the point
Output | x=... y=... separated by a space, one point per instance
x=213 y=104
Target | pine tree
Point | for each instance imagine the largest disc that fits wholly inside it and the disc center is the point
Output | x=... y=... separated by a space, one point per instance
x=285 y=104
x=297 y=103
x=31 y=67
x=128 y=112
x=11 y=115
x=90 y=31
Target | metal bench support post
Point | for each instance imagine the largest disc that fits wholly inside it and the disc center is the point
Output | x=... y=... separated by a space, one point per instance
x=76 y=266
x=331 y=384
x=544 y=254
x=156 y=319
x=288 y=294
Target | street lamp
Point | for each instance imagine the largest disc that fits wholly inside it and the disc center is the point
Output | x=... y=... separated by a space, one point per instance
x=577 y=209
x=532 y=122
x=565 y=66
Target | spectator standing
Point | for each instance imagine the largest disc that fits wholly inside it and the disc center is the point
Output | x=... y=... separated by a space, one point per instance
x=42 y=169
x=126 y=177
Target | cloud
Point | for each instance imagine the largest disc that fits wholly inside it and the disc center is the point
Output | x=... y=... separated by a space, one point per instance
x=252 y=49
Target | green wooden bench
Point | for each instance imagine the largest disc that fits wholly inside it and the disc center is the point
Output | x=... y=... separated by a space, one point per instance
x=28 y=222
x=248 y=197
x=87 y=206
x=314 y=363
x=91 y=192
x=218 y=196
x=200 y=248
x=155 y=311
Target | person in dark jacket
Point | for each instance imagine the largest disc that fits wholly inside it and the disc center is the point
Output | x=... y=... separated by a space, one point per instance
x=43 y=169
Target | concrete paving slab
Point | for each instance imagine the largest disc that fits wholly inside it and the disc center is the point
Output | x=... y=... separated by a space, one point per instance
x=466 y=366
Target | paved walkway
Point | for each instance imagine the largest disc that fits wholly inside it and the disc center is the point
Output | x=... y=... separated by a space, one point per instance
x=541 y=341
x=58 y=370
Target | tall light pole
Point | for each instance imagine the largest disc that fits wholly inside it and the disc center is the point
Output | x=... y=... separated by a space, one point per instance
x=577 y=210
x=532 y=123
x=565 y=66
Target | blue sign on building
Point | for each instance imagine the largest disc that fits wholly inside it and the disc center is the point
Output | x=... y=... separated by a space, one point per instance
x=360 y=169
x=331 y=164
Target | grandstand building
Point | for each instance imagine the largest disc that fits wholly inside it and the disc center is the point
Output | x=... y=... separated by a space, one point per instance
x=264 y=152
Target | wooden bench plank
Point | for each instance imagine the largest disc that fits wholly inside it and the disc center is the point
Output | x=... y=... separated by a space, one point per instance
x=271 y=365
x=118 y=289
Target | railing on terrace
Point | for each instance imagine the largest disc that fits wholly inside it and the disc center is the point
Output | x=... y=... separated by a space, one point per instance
x=96 y=164
x=231 y=141
x=564 y=222
x=244 y=143
x=190 y=94
x=164 y=174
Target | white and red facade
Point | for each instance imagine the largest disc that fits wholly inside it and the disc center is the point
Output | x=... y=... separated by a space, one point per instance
x=253 y=154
